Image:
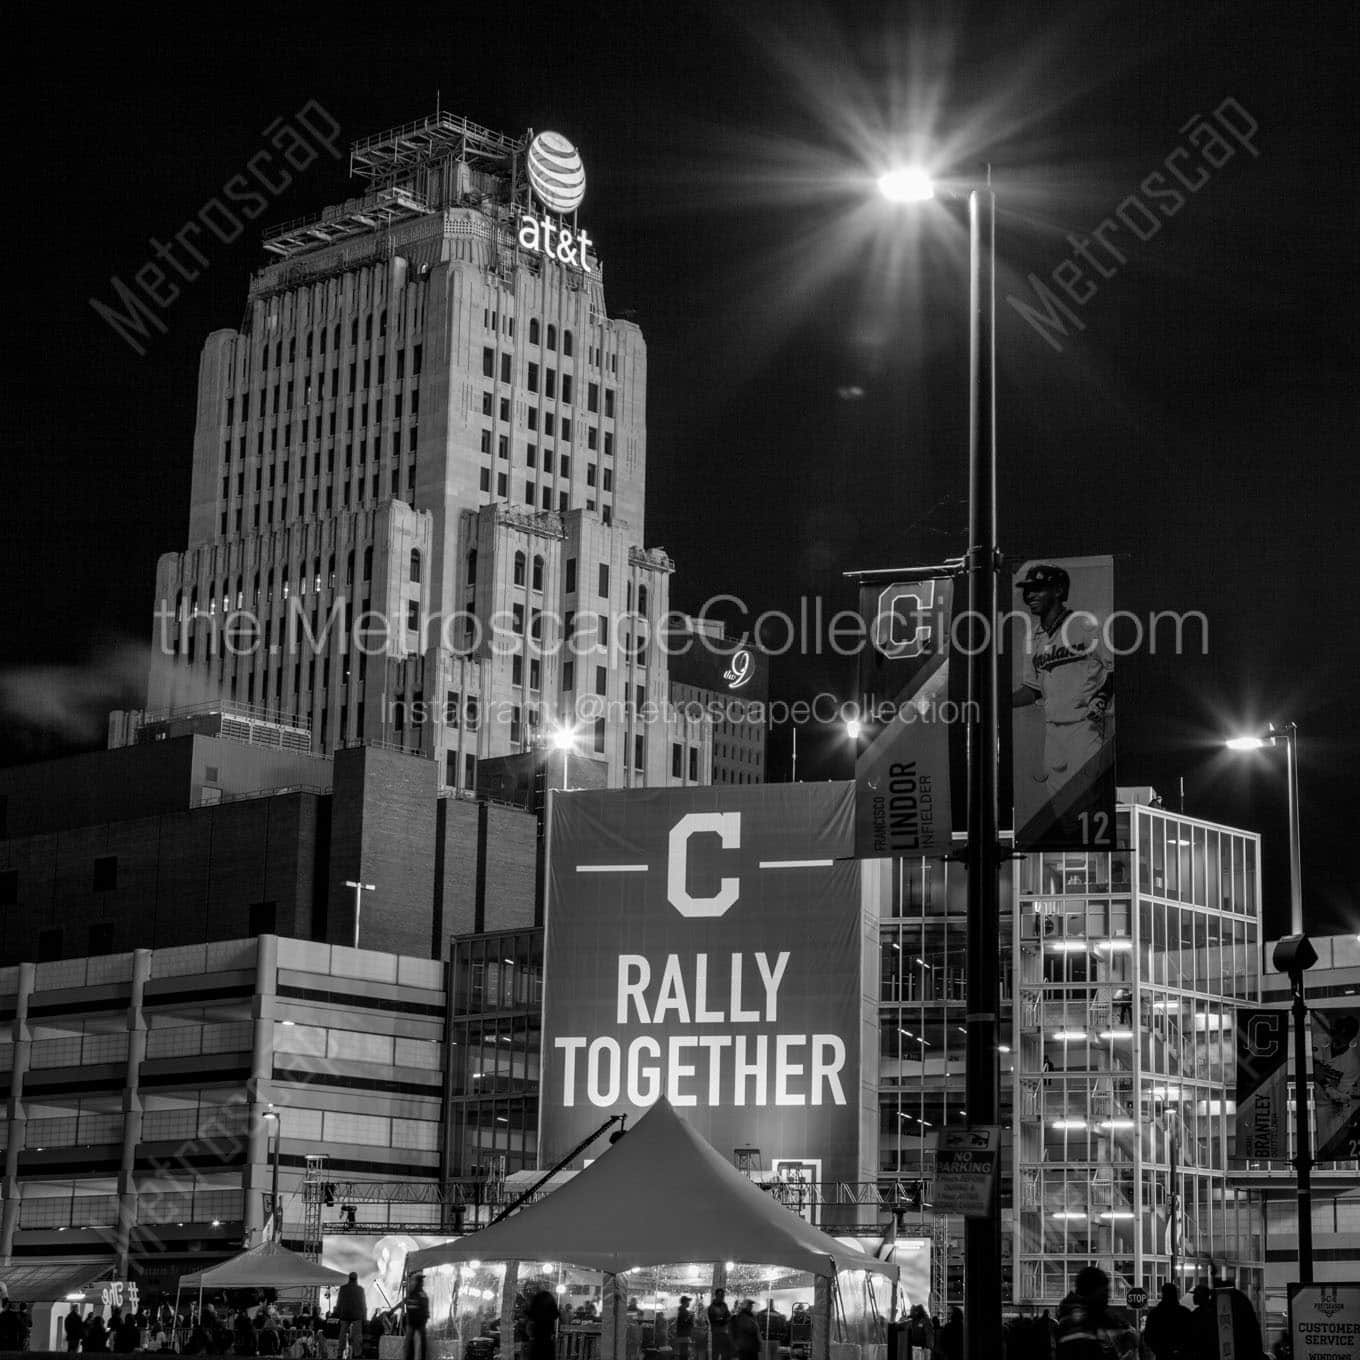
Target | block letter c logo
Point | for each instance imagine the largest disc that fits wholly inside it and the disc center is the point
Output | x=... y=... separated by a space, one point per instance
x=1265 y=1035
x=894 y=629
x=727 y=827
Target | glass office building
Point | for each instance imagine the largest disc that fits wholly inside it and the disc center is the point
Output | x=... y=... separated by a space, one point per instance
x=1121 y=973
x=495 y=1040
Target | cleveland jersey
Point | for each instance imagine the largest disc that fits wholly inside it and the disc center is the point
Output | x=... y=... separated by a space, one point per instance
x=1067 y=667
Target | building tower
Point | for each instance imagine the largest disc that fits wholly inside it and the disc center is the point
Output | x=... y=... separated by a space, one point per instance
x=1122 y=974
x=420 y=473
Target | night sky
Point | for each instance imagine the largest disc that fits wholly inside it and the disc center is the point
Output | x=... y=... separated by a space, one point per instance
x=807 y=394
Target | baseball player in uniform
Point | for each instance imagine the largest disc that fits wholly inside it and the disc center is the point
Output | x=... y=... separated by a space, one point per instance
x=1067 y=669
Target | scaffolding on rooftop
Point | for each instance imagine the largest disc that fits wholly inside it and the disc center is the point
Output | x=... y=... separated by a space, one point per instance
x=412 y=171
x=355 y=217
x=388 y=155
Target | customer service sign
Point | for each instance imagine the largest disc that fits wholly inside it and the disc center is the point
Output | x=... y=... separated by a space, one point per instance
x=706 y=944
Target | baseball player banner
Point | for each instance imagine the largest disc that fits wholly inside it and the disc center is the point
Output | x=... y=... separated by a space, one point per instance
x=706 y=944
x=1262 y=1118
x=1336 y=1083
x=1063 y=700
x=902 y=784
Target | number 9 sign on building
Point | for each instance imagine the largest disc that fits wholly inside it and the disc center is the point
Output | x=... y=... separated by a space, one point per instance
x=708 y=944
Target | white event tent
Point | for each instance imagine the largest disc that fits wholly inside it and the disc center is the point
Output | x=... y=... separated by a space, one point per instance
x=661 y=1195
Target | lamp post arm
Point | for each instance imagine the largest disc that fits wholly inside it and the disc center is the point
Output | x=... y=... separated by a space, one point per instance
x=1290 y=734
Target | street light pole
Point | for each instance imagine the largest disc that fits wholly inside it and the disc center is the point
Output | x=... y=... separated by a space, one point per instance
x=275 y=1216
x=359 y=890
x=1303 y=1163
x=1293 y=956
x=982 y=1236
x=1303 y=1160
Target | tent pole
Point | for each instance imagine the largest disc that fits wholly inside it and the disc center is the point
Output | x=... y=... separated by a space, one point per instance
x=821 y=1318
x=509 y=1288
x=613 y=1320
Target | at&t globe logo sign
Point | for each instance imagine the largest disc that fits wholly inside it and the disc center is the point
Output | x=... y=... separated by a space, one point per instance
x=558 y=180
x=556 y=173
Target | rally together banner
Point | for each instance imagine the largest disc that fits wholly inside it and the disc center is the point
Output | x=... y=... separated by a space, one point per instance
x=902 y=802
x=705 y=944
x=1063 y=701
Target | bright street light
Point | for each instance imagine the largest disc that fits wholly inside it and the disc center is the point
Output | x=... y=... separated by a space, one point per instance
x=1286 y=735
x=853 y=729
x=562 y=737
x=907 y=184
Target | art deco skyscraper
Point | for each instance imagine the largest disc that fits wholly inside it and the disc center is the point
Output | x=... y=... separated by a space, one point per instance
x=430 y=435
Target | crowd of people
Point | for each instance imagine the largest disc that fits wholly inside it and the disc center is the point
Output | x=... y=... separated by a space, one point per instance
x=1087 y=1328
x=255 y=1330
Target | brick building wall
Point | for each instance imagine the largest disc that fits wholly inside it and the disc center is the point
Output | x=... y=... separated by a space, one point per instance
x=383 y=833
x=150 y=869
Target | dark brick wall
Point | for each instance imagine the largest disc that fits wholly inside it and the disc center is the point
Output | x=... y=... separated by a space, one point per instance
x=383 y=832
x=182 y=878
x=142 y=781
x=489 y=858
x=459 y=879
x=511 y=860
x=101 y=786
x=186 y=875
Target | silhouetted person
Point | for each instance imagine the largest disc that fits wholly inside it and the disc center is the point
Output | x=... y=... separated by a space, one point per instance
x=745 y=1331
x=96 y=1340
x=417 y=1316
x=352 y=1308
x=124 y=1333
x=244 y=1338
x=74 y=1327
x=920 y=1334
x=949 y=1339
x=684 y=1328
x=1089 y=1331
x=1203 y=1341
x=541 y=1316
x=1167 y=1329
x=11 y=1328
x=719 y=1326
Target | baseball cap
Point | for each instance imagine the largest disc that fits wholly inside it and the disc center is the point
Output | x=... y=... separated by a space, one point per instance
x=1045 y=574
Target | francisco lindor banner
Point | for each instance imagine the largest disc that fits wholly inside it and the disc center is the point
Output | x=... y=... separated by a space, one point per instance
x=705 y=944
x=902 y=799
x=1262 y=1119
x=1063 y=698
